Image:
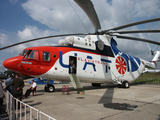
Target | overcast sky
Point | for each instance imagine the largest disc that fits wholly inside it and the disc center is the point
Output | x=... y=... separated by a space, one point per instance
x=27 y=19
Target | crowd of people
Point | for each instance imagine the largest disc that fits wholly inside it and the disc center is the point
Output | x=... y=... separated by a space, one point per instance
x=15 y=87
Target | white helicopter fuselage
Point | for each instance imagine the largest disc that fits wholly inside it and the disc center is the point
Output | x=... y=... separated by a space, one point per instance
x=92 y=67
x=96 y=59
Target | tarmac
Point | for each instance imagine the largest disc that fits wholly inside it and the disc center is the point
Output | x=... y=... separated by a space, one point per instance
x=141 y=101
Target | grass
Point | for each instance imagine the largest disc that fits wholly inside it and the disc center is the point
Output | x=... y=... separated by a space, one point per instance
x=149 y=78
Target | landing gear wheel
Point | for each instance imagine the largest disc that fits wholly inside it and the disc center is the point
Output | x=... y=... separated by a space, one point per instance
x=96 y=84
x=125 y=84
x=49 y=88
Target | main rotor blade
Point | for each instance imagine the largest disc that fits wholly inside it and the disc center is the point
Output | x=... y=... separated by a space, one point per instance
x=136 y=31
x=88 y=8
x=136 y=23
x=40 y=39
x=137 y=39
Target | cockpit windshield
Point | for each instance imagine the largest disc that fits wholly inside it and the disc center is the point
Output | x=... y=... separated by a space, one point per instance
x=23 y=52
x=33 y=54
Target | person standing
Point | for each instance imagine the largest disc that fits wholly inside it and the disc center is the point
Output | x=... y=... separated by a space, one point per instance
x=10 y=89
x=1 y=81
x=18 y=84
x=72 y=67
x=1 y=95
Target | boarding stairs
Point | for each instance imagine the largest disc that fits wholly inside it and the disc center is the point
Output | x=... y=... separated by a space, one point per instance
x=76 y=83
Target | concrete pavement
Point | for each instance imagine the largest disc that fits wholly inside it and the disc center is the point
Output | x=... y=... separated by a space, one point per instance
x=104 y=103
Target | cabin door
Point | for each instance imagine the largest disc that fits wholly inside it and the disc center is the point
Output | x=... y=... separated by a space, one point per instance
x=72 y=65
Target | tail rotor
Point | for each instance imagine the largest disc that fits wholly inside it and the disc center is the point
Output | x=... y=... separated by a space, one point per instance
x=152 y=51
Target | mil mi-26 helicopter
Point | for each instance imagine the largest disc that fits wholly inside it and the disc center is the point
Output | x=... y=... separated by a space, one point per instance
x=94 y=59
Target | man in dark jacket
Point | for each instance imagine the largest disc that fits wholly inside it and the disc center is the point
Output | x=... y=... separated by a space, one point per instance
x=18 y=84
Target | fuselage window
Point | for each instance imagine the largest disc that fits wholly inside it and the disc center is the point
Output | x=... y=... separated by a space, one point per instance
x=34 y=54
x=54 y=56
x=23 y=52
x=46 y=56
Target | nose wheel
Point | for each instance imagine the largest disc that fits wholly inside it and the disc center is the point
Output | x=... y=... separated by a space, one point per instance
x=49 y=88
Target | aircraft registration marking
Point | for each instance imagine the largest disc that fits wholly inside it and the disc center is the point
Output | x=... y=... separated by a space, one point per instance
x=26 y=62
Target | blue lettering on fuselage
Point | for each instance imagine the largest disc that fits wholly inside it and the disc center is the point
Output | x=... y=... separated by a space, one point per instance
x=86 y=63
x=89 y=63
x=108 y=61
x=60 y=60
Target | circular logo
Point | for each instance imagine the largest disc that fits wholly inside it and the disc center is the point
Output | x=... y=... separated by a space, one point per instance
x=121 y=65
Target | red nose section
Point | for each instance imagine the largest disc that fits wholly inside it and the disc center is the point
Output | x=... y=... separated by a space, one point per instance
x=11 y=63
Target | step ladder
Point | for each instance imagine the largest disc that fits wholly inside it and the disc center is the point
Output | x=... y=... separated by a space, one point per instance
x=76 y=83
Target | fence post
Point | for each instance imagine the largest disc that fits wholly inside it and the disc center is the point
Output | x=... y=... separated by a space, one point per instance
x=13 y=108
x=19 y=107
x=7 y=102
x=25 y=112
x=30 y=113
x=10 y=107
x=38 y=115
x=16 y=109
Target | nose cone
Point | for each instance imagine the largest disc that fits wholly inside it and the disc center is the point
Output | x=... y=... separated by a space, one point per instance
x=11 y=63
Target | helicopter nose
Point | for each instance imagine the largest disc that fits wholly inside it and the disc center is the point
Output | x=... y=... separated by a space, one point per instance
x=11 y=63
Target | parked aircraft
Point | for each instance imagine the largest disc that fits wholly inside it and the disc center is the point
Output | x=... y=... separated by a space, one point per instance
x=146 y=70
x=6 y=73
x=94 y=58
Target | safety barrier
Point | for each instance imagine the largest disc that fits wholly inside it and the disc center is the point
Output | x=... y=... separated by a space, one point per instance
x=17 y=109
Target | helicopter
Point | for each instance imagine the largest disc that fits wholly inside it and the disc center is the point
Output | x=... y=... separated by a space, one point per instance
x=94 y=58
x=6 y=74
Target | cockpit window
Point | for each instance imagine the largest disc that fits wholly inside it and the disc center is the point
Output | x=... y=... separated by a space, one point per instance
x=33 y=54
x=27 y=54
x=46 y=56
x=23 y=52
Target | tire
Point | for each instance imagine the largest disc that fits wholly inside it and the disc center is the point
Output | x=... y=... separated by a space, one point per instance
x=49 y=88
x=125 y=84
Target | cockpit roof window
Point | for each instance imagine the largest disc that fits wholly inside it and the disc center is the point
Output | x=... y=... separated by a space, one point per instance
x=23 y=52
x=27 y=54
